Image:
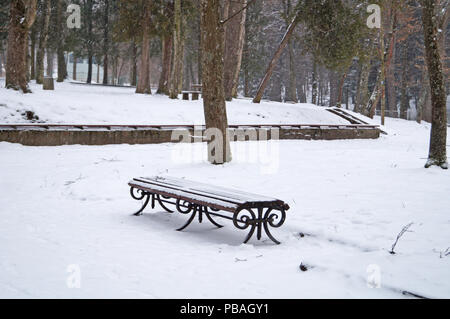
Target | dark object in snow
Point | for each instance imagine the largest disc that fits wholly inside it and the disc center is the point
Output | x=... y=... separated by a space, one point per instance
x=301 y=235
x=30 y=116
x=48 y=83
x=303 y=267
x=194 y=94
x=247 y=210
x=404 y=230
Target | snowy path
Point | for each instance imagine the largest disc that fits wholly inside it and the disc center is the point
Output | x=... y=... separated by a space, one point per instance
x=70 y=205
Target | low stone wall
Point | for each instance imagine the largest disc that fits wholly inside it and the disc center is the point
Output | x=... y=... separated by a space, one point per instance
x=54 y=137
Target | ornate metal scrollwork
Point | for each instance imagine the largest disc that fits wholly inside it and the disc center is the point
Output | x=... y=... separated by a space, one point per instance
x=255 y=218
x=134 y=193
x=246 y=218
x=243 y=218
x=275 y=218
x=139 y=194
x=161 y=203
x=183 y=206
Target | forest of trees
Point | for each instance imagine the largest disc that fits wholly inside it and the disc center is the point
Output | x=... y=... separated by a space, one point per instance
x=292 y=51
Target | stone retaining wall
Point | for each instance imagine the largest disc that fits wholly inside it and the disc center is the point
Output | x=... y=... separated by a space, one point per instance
x=53 y=137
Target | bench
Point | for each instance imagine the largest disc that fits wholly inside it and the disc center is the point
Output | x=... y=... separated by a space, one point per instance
x=195 y=95
x=197 y=87
x=247 y=211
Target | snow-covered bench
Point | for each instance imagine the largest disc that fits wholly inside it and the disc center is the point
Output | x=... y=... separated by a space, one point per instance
x=246 y=210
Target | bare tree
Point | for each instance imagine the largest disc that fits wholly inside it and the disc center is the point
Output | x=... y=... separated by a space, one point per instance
x=275 y=58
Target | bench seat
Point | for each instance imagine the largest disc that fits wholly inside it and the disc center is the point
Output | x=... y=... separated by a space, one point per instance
x=243 y=208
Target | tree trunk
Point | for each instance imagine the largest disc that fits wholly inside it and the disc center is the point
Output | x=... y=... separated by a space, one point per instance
x=334 y=88
x=62 y=67
x=341 y=90
x=213 y=88
x=143 y=85
x=423 y=97
x=177 y=64
x=314 y=83
x=74 y=67
x=43 y=37
x=234 y=44
x=21 y=17
x=275 y=58
x=363 y=94
x=90 y=39
x=133 y=63
x=105 y=42
x=33 y=53
x=404 y=102
x=291 y=94
x=98 y=72
x=2 y=61
x=374 y=97
x=163 y=86
x=50 y=58
x=438 y=139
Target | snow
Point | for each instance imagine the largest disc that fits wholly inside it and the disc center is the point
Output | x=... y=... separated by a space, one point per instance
x=75 y=104
x=66 y=211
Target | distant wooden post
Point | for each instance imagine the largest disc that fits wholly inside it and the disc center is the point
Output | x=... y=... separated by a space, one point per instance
x=48 y=83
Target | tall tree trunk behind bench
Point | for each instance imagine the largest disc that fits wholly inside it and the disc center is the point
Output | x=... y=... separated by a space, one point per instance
x=438 y=139
x=234 y=45
x=143 y=85
x=62 y=66
x=177 y=62
x=105 y=42
x=43 y=38
x=212 y=75
x=21 y=17
x=90 y=40
x=74 y=67
x=167 y=44
x=133 y=63
x=33 y=35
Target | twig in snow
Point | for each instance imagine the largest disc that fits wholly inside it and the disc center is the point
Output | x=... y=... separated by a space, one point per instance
x=445 y=253
x=404 y=230
x=237 y=260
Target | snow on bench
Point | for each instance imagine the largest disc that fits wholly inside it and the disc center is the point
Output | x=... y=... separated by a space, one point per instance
x=244 y=209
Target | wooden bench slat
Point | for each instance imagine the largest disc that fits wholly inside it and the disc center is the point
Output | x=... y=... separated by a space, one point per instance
x=183 y=195
x=220 y=193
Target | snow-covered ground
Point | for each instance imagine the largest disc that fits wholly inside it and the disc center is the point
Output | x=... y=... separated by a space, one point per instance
x=81 y=104
x=66 y=213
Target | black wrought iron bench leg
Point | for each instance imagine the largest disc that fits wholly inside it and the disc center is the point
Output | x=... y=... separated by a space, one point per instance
x=139 y=212
x=140 y=195
x=200 y=210
x=194 y=213
x=257 y=222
